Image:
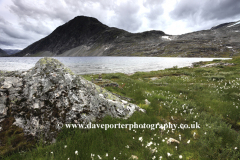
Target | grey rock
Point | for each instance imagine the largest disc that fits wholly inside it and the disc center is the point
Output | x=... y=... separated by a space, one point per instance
x=50 y=95
x=3 y=110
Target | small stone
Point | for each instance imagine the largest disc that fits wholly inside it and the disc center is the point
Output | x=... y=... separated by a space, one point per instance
x=133 y=157
x=172 y=140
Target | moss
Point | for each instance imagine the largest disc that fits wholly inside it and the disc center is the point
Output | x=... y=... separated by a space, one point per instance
x=68 y=71
x=104 y=91
x=12 y=138
x=52 y=61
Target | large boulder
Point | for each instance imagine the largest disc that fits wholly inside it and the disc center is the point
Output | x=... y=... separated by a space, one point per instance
x=49 y=95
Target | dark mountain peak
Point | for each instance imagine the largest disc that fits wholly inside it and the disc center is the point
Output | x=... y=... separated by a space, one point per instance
x=82 y=19
x=81 y=25
x=79 y=31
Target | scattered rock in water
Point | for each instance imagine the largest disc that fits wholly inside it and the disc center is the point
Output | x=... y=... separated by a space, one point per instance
x=49 y=94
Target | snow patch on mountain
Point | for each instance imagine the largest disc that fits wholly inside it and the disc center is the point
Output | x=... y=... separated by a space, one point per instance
x=234 y=24
x=166 y=38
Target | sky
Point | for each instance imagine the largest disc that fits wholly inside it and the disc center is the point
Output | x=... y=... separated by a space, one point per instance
x=23 y=22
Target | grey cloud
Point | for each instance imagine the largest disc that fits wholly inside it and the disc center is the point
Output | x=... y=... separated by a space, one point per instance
x=10 y=42
x=155 y=12
x=38 y=28
x=127 y=16
x=206 y=10
x=9 y=30
x=5 y=43
x=155 y=8
x=47 y=12
x=221 y=9
x=24 y=10
x=185 y=9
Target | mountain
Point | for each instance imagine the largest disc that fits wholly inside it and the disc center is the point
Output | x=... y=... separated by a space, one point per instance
x=3 y=53
x=86 y=36
x=11 y=51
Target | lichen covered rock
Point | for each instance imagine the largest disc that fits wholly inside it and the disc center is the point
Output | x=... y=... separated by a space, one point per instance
x=49 y=95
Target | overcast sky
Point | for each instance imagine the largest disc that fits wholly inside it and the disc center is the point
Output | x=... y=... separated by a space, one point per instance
x=23 y=22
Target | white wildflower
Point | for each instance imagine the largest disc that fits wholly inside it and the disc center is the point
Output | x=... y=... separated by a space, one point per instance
x=180 y=156
x=99 y=157
x=76 y=152
x=169 y=154
x=149 y=144
x=194 y=134
x=188 y=141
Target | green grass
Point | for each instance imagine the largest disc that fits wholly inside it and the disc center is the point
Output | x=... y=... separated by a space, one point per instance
x=207 y=96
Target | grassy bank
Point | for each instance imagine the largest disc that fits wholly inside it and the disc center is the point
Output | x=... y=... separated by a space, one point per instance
x=207 y=96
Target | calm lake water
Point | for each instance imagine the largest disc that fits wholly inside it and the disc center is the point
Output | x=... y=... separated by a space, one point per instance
x=95 y=65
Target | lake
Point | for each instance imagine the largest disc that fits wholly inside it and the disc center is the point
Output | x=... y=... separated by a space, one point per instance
x=96 y=65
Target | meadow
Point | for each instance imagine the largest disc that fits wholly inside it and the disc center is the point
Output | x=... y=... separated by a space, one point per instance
x=208 y=96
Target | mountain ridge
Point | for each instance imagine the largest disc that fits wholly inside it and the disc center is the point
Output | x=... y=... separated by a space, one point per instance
x=3 y=53
x=86 y=36
x=11 y=51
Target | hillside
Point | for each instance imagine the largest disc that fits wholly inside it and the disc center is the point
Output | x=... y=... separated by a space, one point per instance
x=86 y=36
x=2 y=53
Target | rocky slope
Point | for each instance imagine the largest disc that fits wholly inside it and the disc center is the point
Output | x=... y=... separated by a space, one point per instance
x=3 y=53
x=86 y=36
x=38 y=102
